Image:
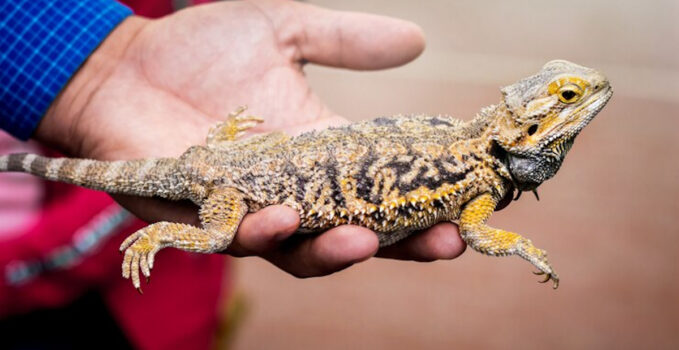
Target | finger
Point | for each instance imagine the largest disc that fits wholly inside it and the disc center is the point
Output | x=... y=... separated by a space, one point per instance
x=334 y=250
x=442 y=241
x=264 y=230
x=350 y=39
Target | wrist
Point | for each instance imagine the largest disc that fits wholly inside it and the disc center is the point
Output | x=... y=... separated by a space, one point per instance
x=59 y=126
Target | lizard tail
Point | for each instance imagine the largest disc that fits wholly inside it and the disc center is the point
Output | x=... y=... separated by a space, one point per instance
x=146 y=177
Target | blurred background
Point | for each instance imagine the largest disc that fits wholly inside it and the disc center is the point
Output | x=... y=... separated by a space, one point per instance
x=608 y=219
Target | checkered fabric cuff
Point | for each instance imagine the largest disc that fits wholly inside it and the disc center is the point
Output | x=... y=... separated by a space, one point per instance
x=42 y=44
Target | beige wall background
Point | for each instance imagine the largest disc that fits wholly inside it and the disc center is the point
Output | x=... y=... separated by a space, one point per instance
x=608 y=219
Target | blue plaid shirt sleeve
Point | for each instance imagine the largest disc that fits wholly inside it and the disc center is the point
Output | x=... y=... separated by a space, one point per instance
x=42 y=44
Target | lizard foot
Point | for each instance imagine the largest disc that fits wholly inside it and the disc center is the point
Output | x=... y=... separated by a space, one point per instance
x=233 y=127
x=140 y=249
x=538 y=257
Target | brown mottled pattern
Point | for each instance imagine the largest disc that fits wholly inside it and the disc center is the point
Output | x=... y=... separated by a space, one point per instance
x=394 y=175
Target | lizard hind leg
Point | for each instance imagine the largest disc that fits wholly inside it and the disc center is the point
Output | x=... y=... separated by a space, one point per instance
x=233 y=127
x=492 y=241
x=220 y=214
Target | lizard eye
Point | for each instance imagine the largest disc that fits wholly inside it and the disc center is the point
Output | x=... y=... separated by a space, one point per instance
x=569 y=94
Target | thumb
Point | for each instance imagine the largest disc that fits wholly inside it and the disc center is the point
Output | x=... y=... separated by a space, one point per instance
x=352 y=40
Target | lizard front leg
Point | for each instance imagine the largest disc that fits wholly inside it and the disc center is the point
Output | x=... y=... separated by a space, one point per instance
x=492 y=241
x=220 y=214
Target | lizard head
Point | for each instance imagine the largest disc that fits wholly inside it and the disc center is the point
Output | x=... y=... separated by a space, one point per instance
x=544 y=114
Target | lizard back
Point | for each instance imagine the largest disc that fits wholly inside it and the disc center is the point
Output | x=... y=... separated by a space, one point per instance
x=391 y=174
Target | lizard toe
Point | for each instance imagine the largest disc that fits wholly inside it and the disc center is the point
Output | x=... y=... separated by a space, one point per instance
x=129 y=240
x=127 y=260
x=135 y=271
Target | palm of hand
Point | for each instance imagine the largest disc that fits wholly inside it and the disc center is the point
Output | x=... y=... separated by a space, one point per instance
x=186 y=72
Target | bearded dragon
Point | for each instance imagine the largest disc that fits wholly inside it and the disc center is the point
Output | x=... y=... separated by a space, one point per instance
x=393 y=175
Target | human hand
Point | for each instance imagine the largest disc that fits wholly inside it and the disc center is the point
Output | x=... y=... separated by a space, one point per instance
x=155 y=87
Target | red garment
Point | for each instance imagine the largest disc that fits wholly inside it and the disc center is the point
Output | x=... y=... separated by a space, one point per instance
x=178 y=308
x=158 y=8
x=150 y=8
x=71 y=247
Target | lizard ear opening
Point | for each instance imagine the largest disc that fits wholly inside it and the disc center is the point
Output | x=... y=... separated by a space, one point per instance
x=532 y=129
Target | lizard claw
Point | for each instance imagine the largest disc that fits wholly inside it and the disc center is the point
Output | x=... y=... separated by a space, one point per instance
x=549 y=276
